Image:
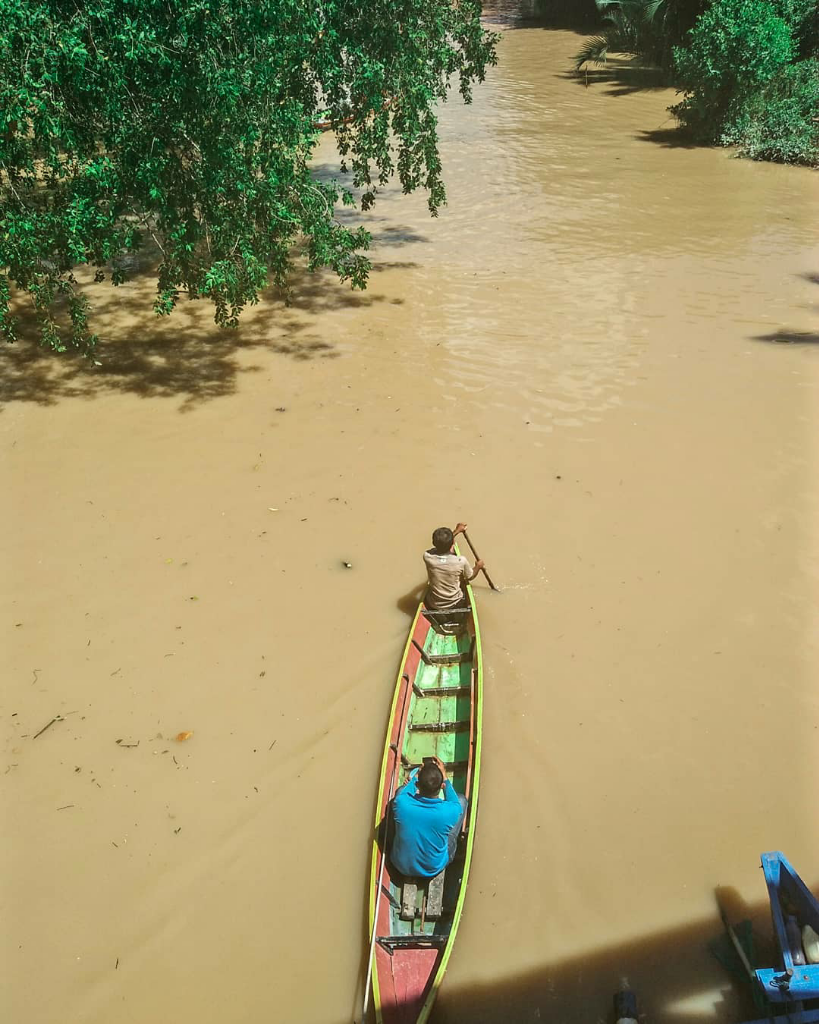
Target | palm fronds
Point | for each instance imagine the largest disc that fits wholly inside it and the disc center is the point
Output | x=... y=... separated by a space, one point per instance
x=594 y=51
x=633 y=10
x=651 y=8
x=628 y=29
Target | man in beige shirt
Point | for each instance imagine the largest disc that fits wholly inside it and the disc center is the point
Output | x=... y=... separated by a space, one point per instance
x=447 y=572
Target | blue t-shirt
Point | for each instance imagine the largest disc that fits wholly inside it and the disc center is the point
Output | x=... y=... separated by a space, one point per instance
x=423 y=825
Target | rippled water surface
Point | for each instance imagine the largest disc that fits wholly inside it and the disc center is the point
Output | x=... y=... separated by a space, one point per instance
x=603 y=356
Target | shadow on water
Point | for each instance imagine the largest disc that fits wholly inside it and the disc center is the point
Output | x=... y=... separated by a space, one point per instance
x=679 y=976
x=396 y=235
x=184 y=356
x=784 y=336
x=408 y=603
x=670 y=138
x=789 y=337
x=620 y=77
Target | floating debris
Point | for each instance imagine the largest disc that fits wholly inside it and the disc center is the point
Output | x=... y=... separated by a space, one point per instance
x=56 y=718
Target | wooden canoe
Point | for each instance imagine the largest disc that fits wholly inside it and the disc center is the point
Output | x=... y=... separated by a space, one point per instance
x=436 y=710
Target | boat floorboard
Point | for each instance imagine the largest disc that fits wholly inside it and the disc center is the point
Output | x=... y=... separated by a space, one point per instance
x=450 y=746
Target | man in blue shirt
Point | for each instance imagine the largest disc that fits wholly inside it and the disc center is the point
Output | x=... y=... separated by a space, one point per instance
x=426 y=827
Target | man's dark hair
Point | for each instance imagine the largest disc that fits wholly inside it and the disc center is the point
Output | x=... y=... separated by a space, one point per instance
x=442 y=539
x=429 y=780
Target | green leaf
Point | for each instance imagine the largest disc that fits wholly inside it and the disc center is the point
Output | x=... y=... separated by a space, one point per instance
x=192 y=123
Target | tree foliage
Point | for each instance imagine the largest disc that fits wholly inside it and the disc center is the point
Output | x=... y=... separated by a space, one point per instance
x=736 y=46
x=779 y=122
x=747 y=68
x=650 y=28
x=190 y=124
x=744 y=81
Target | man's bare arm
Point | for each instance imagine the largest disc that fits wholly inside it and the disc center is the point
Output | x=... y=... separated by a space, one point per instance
x=461 y=528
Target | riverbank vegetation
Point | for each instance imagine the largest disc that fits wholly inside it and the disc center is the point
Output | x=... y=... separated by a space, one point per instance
x=748 y=70
x=190 y=125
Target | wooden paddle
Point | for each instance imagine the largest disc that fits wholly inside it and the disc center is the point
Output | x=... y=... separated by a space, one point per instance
x=732 y=935
x=478 y=558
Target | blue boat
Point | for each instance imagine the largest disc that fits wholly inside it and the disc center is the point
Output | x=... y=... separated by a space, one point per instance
x=789 y=991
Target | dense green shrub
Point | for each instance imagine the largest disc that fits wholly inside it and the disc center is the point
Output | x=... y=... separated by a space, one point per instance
x=747 y=68
x=779 y=121
x=736 y=47
x=648 y=28
x=802 y=16
x=744 y=83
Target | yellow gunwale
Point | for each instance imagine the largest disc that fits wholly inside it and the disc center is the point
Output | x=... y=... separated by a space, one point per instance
x=473 y=811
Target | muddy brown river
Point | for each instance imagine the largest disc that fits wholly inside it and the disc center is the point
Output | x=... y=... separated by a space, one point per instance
x=603 y=356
